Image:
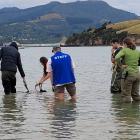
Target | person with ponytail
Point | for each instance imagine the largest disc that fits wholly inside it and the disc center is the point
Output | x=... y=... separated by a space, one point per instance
x=130 y=76
x=43 y=61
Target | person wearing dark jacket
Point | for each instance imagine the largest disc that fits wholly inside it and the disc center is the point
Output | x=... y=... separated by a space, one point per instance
x=10 y=61
x=116 y=68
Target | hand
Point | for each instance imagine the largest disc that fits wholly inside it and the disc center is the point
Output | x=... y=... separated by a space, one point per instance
x=124 y=66
x=38 y=84
x=24 y=79
x=113 y=60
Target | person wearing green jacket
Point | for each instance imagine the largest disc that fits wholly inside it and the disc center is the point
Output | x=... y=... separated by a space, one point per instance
x=130 y=75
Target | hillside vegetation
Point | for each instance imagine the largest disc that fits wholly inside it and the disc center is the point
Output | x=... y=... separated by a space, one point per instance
x=132 y=26
x=48 y=17
x=104 y=34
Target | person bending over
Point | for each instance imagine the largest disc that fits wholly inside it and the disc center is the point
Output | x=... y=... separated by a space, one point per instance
x=43 y=61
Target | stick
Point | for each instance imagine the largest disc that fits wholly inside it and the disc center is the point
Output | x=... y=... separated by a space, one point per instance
x=25 y=84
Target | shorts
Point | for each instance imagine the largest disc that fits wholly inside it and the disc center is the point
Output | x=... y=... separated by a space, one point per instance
x=71 y=89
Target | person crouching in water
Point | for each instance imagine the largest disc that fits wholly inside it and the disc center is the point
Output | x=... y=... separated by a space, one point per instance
x=43 y=61
x=60 y=68
x=10 y=61
x=116 y=68
x=130 y=75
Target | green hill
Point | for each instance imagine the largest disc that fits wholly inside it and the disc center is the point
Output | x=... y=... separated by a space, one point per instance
x=103 y=35
x=53 y=21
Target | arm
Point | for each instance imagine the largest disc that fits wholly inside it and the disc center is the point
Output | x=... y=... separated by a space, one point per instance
x=19 y=65
x=0 y=53
x=118 y=58
x=42 y=78
x=112 y=56
x=73 y=63
x=45 y=78
x=119 y=55
x=139 y=60
x=49 y=70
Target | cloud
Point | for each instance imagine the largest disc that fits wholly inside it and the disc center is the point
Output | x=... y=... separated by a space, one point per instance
x=129 y=5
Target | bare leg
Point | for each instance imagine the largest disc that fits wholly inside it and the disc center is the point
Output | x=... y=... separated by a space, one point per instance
x=71 y=88
x=73 y=98
x=59 y=96
x=59 y=92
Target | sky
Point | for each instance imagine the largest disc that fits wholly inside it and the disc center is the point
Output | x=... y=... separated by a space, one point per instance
x=128 y=5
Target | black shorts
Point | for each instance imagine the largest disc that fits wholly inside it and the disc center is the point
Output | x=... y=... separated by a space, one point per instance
x=71 y=89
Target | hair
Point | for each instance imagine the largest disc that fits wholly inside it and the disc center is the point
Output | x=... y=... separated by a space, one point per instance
x=56 y=48
x=14 y=44
x=44 y=61
x=115 y=41
x=129 y=43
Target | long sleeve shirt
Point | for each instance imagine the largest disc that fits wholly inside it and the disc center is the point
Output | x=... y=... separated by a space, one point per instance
x=131 y=58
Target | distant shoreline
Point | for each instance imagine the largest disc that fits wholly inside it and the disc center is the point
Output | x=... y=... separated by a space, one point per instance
x=45 y=46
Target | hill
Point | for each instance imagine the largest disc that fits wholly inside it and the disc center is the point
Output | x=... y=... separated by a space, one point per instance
x=104 y=34
x=132 y=26
x=50 y=22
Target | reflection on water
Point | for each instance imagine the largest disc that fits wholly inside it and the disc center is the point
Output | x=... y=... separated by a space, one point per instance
x=11 y=117
x=96 y=115
x=9 y=107
x=63 y=120
x=127 y=116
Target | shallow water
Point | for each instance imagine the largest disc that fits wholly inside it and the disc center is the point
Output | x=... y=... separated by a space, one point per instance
x=96 y=115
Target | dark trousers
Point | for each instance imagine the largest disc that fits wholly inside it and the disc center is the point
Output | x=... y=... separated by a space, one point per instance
x=9 y=81
x=131 y=87
x=116 y=81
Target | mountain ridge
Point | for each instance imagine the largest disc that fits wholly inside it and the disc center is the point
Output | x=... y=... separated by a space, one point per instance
x=58 y=19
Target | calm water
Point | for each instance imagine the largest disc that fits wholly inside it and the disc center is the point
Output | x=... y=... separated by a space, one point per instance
x=96 y=115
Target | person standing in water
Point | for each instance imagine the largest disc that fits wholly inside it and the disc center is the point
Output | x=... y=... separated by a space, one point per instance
x=116 y=68
x=60 y=68
x=130 y=75
x=43 y=61
x=10 y=61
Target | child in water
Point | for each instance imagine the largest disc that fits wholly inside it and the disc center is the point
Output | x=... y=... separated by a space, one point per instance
x=43 y=61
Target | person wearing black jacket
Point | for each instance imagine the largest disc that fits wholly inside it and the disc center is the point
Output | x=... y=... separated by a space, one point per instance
x=10 y=61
